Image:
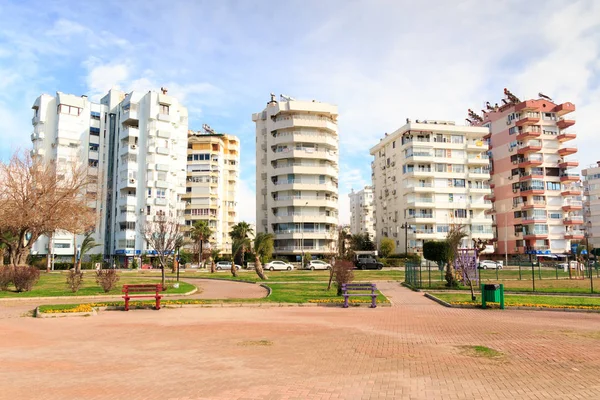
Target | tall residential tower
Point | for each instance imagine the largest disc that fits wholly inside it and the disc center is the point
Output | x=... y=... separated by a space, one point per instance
x=361 y=212
x=297 y=175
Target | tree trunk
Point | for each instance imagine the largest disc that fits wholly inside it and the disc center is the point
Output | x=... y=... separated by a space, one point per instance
x=450 y=282
x=49 y=253
x=75 y=260
x=259 y=269
x=233 y=269
x=1 y=257
x=212 y=265
x=200 y=256
x=331 y=270
x=162 y=274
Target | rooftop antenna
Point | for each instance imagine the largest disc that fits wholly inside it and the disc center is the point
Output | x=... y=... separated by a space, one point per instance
x=543 y=96
x=208 y=129
x=286 y=98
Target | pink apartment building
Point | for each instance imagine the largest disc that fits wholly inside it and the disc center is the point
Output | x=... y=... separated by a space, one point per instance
x=537 y=205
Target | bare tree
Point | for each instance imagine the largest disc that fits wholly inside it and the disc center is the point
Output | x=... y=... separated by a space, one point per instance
x=38 y=198
x=163 y=234
x=454 y=237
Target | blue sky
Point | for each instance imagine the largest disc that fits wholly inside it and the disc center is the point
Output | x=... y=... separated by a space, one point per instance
x=379 y=61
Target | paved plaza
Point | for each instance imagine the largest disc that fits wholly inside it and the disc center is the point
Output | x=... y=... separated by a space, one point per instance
x=413 y=350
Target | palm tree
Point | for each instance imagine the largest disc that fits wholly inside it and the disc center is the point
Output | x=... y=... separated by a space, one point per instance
x=214 y=253
x=263 y=248
x=88 y=244
x=241 y=230
x=238 y=246
x=200 y=233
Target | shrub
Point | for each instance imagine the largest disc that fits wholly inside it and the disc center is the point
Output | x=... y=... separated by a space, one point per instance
x=74 y=280
x=107 y=279
x=25 y=277
x=134 y=264
x=343 y=273
x=6 y=277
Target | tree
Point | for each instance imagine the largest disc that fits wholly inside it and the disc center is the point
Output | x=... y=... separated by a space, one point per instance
x=200 y=234
x=214 y=253
x=455 y=236
x=163 y=234
x=87 y=244
x=263 y=249
x=362 y=242
x=387 y=247
x=2 y=252
x=241 y=230
x=38 y=198
x=238 y=246
x=436 y=251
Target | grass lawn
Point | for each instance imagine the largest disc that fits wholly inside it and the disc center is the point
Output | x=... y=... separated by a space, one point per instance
x=289 y=276
x=281 y=293
x=54 y=284
x=527 y=300
x=542 y=286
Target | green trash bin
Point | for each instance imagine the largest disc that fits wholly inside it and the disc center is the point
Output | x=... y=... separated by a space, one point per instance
x=492 y=293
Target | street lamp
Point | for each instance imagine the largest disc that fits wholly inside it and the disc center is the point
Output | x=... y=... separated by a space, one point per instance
x=586 y=235
x=302 y=232
x=405 y=226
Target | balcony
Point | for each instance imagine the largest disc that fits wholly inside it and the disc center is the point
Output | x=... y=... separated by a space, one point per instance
x=531 y=161
x=571 y=190
x=529 y=134
x=304 y=153
x=478 y=145
x=569 y=178
x=127 y=201
x=420 y=217
x=568 y=164
x=528 y=105
x=572 y=205
x=530 y=147
x=130 y=115
x=421 y=172
x=129 y=183
x=480 y=190
x=564 y=109
x=535 y=204
x=533 y=219
x=575 y=234
x=426 y=202
x=573 y=220
x=421 y=187
x=566 y=151
x=528 y=119
x=482 y=159
x=129 y=131
x=532 y=190
x=535 y=235
x=321 y=138
x=484 y=205
x=490 y=197
x=565 y=123
x=420 y=156
x=566 y=136
x=531 y=175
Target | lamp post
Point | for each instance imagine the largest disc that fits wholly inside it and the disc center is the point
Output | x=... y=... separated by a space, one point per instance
x=405 y=226
x=587 y=255
x=302 y=233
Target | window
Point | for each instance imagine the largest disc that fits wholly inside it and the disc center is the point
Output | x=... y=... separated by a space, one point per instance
x=70 y=110
x=513 y=130
x=161 y=193
x=460 y=213
x=394 y=144
x=555 y=215
x=549 y=117
x=149 y=192
x=518 y=229
x=95 y=115
x=443 y=228
x=163 y=109
x=94 y=131
x=517 y=214
x=458 y=182
x=553 y=185
x=62 y=245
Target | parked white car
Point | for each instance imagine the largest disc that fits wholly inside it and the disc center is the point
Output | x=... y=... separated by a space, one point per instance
x=489 y=264
x=225 y=266
x=318 y=264
x=279 y=266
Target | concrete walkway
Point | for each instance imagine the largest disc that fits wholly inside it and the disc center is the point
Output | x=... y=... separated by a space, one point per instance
x=208 y=289
x=416 y=349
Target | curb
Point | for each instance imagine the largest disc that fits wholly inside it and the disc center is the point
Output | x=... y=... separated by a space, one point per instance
x=111 y=296
x=39 y=314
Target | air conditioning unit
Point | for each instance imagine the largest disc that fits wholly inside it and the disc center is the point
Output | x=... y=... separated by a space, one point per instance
x=511 y=148
x=517 y=234
x=510 y=178
x=394 y=191
x=516 y=162
x=393 y=163
x=515 y=190
x=508 y=122
x=393 y=178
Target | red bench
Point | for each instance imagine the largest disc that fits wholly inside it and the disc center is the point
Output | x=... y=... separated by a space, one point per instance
x=144 y=291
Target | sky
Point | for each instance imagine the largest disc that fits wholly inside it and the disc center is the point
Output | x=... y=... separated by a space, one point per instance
x=379 y=61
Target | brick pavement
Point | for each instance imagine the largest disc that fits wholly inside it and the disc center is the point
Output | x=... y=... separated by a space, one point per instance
x=411 y=350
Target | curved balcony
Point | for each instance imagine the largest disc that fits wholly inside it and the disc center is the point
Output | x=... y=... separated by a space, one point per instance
x=312 y=186
x=529 y=176
x=571 y=191
x=566 y=136
x=573 y=220
x=572 y=205
x=529 y=148
x=566 y=151
x=564 y=108
x=530 y=191
x=565 y=123
x=569 y=178
x=290 y=138
x=297 y=218
x=574 y=235
x=299 y=169
x=568 y=164
x=291 y=122
x=528 y=119
x=529 y=134
x=287 y=201
x=535 y=236
x=478 y=160
x=306 y=235
x=307 y=154
x=531 y=162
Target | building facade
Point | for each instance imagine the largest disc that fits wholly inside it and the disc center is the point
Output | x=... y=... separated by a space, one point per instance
x=428 y=176
x=361 y=212
x=297 y=175
x=135 y=143
x=213 y=168
x=591 y=205
x=536 y=196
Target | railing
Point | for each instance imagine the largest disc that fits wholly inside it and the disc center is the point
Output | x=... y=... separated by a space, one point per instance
x=537 y=143
x=573 y=203
x=300 y=214
x=299 y=230
x=479 y=157
x=575 y=232
x=419 y=170
x=420 y=154
x=305 y=248
x=283 y=198
x=574 y=218
x=421 y=200
x=420 y=215
x=411 y=185
x=303 y=182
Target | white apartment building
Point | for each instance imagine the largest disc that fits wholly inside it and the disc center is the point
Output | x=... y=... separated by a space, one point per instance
x=70 y=129
x=361 y=212
x=428 y=176
x=297 y=175
x=135 y=143
x=591 y=205
x=213 y=169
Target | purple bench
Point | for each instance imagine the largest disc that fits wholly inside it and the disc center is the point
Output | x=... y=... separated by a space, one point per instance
x=357 y=290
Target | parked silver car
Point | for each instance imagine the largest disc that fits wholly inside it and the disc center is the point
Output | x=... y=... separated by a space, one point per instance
x=225 y=266
x=318 y=264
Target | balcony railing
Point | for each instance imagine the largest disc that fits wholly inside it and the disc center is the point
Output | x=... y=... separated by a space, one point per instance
x=420 y=215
